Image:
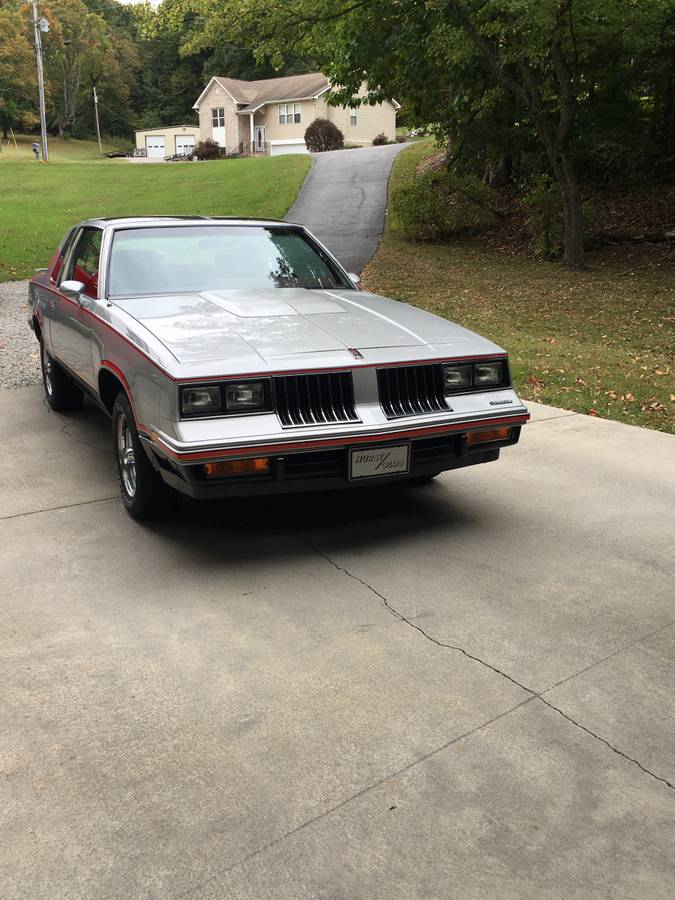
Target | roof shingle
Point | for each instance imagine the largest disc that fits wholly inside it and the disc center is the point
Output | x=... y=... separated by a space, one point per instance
x=269 y=90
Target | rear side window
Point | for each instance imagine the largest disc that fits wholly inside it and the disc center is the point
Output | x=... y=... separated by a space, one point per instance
x=86 y=259
x=61 y=253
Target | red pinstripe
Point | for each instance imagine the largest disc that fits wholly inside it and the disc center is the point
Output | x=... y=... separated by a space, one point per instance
x=265 y=449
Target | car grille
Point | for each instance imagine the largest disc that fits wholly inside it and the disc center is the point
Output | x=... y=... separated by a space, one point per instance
x=411 y=390
x=322 y=399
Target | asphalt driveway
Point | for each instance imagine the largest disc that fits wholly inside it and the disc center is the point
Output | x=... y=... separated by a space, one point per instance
x=462 y=690
x=342 y=201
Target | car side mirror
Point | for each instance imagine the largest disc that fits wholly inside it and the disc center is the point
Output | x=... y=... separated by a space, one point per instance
x=354 y=277
x=72 y=289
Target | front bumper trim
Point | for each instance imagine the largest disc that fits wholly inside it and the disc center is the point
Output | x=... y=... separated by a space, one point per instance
x=262 y=448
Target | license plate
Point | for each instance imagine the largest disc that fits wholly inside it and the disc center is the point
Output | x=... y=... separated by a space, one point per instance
x=371 y=462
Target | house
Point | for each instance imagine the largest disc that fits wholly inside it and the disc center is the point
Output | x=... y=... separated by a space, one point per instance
x=271 y=115
x=267 y=117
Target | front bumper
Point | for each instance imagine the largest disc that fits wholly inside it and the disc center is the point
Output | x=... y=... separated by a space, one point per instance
x=328 y=468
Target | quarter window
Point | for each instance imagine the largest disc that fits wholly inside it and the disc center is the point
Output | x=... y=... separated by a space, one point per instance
x=218 y=117
x=85 y=264
x=289 y=113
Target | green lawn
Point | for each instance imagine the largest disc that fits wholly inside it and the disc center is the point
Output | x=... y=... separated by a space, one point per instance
x=598 y=342
x=59 y=150
x=39 y=201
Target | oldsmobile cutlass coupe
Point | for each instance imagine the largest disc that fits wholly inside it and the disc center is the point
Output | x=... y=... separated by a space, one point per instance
x=238 y=357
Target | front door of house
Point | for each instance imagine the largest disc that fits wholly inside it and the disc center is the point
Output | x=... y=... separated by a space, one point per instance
x=259 y=144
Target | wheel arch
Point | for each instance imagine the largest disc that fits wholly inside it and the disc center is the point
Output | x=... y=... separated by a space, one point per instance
x=110 y=384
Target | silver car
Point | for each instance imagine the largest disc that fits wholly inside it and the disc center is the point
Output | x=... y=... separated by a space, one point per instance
x=237 y=357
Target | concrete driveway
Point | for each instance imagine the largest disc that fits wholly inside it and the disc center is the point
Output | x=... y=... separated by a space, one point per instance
x=342 y=201
x=461 y=690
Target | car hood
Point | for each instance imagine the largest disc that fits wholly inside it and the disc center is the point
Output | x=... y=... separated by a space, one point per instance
x=287 y=322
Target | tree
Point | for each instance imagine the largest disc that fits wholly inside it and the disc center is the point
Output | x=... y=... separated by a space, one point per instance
x=534 y=72
x=18 y=80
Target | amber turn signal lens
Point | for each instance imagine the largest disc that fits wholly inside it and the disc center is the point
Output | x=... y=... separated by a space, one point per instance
x=260 y=465
x=486 y=437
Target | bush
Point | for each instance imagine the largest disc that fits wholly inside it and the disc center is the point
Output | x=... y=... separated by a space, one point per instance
x=322 y=135
x=545 y=220
x=401 y=139
x=437 y=205
x=380 y=139
x=207 y=149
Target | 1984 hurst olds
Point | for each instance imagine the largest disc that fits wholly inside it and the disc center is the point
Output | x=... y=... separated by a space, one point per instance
x=238 y=357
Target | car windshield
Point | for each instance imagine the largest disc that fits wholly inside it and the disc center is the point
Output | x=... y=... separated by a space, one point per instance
x=192 y=258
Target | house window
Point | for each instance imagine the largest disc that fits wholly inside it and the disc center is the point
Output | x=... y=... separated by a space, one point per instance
x=289 y=113
x=353 y=118
x=218 y=117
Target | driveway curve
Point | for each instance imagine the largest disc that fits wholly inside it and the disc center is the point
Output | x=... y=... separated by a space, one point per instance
x=343 y=199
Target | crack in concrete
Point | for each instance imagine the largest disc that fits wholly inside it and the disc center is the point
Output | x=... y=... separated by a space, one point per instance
x=35 y=512
x=365 y=790
x=538 y=695
x=64 y=430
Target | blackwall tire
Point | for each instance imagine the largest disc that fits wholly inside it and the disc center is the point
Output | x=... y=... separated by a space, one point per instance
x=62 y=394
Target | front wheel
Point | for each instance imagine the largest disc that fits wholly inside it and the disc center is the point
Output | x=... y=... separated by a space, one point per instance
x=60 y=390
x=144 y=494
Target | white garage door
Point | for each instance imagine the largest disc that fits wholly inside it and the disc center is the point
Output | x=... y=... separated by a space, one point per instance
x=185 y=144
x=277 y=148
x=155 y=146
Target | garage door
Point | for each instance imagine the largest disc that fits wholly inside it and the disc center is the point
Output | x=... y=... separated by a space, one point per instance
x=278 y=148
x=155 y=147
x=185 y=144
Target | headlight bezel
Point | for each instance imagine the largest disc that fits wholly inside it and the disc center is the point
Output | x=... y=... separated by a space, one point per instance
x=476 y=387
x=266 y=406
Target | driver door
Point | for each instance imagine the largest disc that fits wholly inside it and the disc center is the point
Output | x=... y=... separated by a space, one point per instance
x=71 y=326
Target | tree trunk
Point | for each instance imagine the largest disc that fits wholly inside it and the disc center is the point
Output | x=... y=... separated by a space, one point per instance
x=574 y=257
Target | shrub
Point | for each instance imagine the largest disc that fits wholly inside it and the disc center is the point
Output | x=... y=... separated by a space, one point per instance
x=380 y=139
x=322 y=135
x=207 y=149
x=401 y=139
x=437 y=205
x=545 y=220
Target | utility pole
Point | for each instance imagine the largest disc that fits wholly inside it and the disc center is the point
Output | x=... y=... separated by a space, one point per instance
x=40 y=25
x=98 y=130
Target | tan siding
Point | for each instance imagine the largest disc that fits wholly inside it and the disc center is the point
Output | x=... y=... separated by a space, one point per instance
x=269 y=116
x=217 y=97
x=169 y=135
x=370 y=121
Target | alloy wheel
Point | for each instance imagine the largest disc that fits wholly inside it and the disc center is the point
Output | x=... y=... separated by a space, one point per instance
x=126 y=456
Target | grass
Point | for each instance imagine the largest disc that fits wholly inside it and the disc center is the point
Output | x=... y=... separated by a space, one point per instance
x=59 y=150
x=38 y=202
x=598 y=342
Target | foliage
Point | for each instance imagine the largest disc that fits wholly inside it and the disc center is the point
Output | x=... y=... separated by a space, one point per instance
x=438 y=205
x=380 y=139
x=18 y=82
x=42 y=201
x=322 y=135
x=544 y=218
x=597 y=340
x=497 y=78
x=207 y=149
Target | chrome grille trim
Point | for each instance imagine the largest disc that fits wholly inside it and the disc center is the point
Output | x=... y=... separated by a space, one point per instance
x=411 y=390
x=326 y=398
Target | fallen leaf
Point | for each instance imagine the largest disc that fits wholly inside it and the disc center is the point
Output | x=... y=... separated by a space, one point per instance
x=593 y=412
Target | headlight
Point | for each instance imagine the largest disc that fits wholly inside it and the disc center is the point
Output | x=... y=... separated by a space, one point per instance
x=247 y=396
x=487 y=374
x=457 y=378
x=200 y=401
